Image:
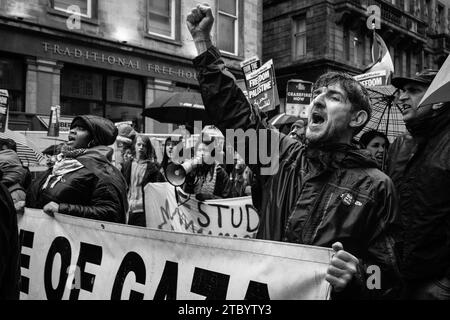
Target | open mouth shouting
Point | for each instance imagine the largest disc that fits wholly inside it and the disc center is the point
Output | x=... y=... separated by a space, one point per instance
x=317 y=118
x=70 y=140
x=404 y=107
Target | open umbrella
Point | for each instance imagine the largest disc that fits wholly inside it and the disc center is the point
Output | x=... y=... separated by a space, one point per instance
x=179 y=107
x=386 y=116
x=25 y=149
x=283 y=119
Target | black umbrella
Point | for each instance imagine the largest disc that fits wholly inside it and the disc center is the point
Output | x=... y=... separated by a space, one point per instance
x=179 y=107
x=386 y=115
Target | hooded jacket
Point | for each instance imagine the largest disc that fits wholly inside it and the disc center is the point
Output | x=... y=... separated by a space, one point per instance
x=419 y=165
x=97 y=190
x=103 y=131
x=318 y=195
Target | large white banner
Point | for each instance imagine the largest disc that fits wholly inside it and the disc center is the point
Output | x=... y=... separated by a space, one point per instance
x=65 y=257
x=167 y=208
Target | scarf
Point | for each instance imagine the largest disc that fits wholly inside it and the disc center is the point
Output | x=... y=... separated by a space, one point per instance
x=65 y=163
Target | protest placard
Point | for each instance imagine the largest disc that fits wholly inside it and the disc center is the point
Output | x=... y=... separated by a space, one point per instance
x=169 y=208
x=71 y=258
x=298 y=97
x=250 y=65
x=261 y=87
x=371 y=79
x=3 y=109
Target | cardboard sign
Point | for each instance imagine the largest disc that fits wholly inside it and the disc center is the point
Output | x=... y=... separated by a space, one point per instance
x=261 y=87
x=298 y=98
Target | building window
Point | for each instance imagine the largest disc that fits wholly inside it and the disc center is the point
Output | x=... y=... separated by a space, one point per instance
x=228 y=26
x=162 y=18
x=299 y=37
x=85 y=6
x=398 y=62
x=346 y=43
x=12 y=79
x=440 y=19
x=113 y=96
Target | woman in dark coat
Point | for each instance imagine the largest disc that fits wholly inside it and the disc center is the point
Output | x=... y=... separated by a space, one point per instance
x=83 y=182
x=138 y=172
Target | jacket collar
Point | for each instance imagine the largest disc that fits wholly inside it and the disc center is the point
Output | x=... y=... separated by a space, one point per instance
x=430 y=125
x=336 y=155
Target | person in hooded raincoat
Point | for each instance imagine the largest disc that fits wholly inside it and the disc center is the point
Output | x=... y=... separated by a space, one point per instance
x=83 y=182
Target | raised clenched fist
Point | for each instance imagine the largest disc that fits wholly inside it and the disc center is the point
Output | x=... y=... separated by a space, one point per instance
x=200 y=21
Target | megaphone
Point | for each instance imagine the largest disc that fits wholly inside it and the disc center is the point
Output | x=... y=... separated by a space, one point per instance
x=176 y=173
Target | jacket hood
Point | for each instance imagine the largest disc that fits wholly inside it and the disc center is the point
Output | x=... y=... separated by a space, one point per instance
x=103 y=131
x=99 y=153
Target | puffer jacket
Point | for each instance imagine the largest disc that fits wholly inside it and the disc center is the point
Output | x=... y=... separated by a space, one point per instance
x=419 y=165
x=9 y=248
x=96 y=191
x=318 y=196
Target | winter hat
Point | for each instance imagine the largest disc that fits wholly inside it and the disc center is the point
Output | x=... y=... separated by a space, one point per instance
x=103 y=131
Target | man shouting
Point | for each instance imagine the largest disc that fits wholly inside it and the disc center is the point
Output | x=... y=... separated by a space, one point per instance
x=327 y=193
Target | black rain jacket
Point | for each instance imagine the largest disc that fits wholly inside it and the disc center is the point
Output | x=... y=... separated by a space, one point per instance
x=97 y=191
x=419 y=165
x=318 y=196
x=9 y=247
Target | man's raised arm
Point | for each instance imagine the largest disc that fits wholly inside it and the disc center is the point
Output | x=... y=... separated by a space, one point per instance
x=226 y=104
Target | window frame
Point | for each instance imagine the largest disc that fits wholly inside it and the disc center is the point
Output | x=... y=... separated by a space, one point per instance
x=89 y=14
x=296 y=35
x=237 y=30
x=175 y=25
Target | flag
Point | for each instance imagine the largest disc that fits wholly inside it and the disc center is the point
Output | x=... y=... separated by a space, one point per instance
x=381 y=58
x=3 y=109
x=439 y=89
x=53 y=125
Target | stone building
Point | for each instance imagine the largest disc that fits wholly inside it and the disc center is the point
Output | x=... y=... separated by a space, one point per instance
x=310 y=37
x=111 y=58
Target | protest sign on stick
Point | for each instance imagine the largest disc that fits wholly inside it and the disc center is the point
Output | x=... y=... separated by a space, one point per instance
x=261 y=87
x=298 y=98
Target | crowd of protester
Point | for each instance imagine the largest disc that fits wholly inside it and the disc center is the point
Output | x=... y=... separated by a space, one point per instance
x=372 y=201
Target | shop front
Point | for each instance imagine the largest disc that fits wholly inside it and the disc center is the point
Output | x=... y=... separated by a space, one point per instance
x=85 y=76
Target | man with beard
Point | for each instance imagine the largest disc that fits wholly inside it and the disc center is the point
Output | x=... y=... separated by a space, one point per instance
x=328 y=193
x=419 y=165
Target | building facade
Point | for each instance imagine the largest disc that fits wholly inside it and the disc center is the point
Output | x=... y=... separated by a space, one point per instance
x=110 y=58
x=310 y=37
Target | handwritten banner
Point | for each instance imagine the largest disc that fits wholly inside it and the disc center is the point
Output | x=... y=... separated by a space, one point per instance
x=66 y=257
x=235 y=217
